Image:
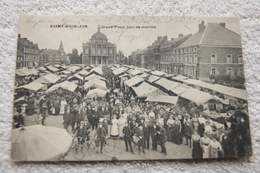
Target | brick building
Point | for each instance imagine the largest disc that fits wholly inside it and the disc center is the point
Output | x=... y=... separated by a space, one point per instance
x=214 y=49
x=27 y=53
x=137 y=58
x=98 y=50
x=53 y=56
x=168 y=62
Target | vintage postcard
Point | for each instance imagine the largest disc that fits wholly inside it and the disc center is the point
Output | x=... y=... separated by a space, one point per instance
x=102 y=88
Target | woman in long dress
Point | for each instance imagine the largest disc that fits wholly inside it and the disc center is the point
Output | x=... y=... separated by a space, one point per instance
x=215 y=148
x=195 y=144
x=121 y=124
x=204 y=143
x=114 y=128
x=177 y=137
x=170 y=123
x=63 y=103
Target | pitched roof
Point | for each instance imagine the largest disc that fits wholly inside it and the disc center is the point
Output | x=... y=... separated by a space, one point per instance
x=213 y=35
x=193 y=40
x=27 y=42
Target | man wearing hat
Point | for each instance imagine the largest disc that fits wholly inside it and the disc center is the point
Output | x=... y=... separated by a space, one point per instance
x=162 y=138
x=146 y=129
x=127 y=137
x=101 y=136
x=154 y=136
x=43 y=107
x=80 y=133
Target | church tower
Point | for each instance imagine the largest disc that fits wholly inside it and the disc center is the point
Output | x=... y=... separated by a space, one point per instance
x=61 y=49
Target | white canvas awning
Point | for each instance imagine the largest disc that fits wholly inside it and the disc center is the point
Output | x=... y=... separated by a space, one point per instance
x=167 y=84
x=34 y=86
x=197 y=96
x=73 y=68
x=133 y=81
x=179 y=89
x=144 y=89
x=96 y=93
x=119 y=71
x=97 y=83
x=53 y=69
x=180 y=78
x=65 y=72
x=49 y=78
x=94 y=76
x=153 y=78
x=76 y=77
x=238 y=93
x=98 y=70
x=134 y=72
x=144 y=75
x=26 y=72
x=65 y=85
x=233 y=92
x=162 y=99
x=83 y=72
x=42 y=68
x=158 y=73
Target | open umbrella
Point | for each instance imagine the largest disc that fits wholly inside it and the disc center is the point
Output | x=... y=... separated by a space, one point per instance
x=39 y=143
x=96 y=93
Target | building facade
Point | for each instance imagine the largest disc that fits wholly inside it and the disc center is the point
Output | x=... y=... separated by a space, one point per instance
x=213 y=50
x=27 y=53
x=53 y=56
x=170 y=62
x=138 y=58
x=98 y=50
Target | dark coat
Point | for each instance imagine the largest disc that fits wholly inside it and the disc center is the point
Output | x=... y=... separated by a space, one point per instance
x=127 y=132
x=162 y=135
x=153 y=131
x=101 y=132
x=146 y=131
x=80 y=131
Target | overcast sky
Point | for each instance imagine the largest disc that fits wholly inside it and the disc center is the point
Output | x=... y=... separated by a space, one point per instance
x=38 y=29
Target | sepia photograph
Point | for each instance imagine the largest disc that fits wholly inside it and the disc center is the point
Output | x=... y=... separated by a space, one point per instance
x=112 y=88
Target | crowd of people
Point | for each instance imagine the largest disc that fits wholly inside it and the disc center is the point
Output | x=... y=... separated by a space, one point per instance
x=149 y=125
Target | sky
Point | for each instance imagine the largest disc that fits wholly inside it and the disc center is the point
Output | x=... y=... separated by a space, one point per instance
x=129 y=33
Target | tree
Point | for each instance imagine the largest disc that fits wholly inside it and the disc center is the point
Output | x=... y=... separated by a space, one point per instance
x=74 y=57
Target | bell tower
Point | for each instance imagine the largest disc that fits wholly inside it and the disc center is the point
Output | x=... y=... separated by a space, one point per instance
x=61 y=49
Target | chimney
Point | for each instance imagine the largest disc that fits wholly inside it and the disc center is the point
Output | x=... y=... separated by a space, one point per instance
x=180 y=35
x=201 y=26
x=222 y=24
x=19 y=35
x=159 y=38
